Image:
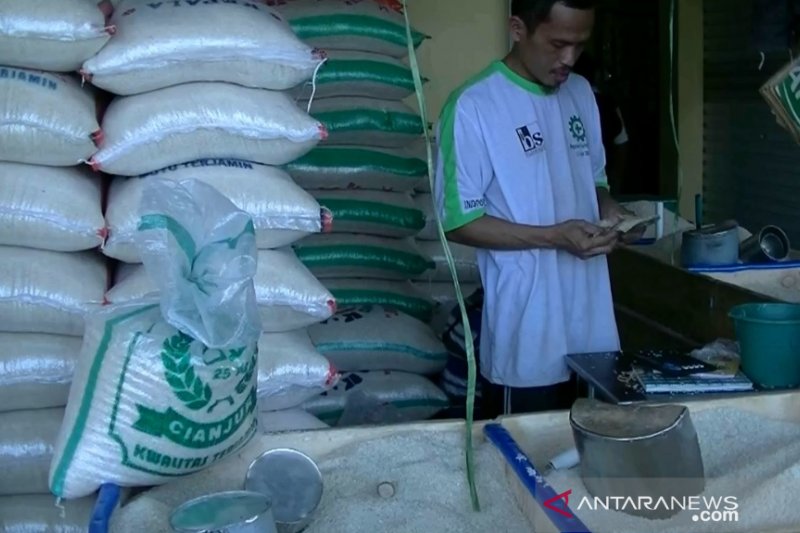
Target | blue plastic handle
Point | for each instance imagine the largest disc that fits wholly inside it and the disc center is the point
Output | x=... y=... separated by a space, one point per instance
x=542 y=492
x=107 y=500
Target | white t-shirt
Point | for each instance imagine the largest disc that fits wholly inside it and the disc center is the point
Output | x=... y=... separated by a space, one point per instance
x=517 y=151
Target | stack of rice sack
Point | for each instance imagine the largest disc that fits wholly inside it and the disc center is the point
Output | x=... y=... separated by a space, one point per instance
x=51 y=224
x=437 y=284
x=200 y=92
x=365 y=173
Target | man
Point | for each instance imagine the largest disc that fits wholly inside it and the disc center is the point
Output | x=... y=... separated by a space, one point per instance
x=520 y=176
x=615 y=134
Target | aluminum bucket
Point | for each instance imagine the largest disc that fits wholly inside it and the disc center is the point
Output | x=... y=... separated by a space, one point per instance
x=635 y=451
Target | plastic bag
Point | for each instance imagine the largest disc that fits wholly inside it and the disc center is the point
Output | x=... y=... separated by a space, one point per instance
x=203 y=250
x=166 y=390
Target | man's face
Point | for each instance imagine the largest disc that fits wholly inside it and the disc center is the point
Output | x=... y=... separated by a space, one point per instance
x=550 y=52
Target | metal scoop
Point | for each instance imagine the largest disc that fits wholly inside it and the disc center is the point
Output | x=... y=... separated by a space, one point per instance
x=638 y=451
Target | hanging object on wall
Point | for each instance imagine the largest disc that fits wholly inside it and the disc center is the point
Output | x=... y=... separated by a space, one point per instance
x=782 y=93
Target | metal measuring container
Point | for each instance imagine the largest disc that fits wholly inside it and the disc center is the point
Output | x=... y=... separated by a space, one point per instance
x=293 y=483
x=638 y=450
x=225 y=512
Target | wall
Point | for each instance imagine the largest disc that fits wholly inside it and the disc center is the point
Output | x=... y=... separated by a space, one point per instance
x=465 y=36
x=627 y=37
x=689 y=44
x=750 y=164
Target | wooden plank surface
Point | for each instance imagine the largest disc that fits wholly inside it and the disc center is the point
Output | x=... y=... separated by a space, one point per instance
x=691 y=305
x=637 y=332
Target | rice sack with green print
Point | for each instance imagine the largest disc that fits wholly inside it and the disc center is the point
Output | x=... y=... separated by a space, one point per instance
x=363 y=121
x=400 y=295
x=362 y=256
x=355 y=167
x=376 y=26
x=347 y=73
x=384 y=214
x=165 y=387
x=376 y=337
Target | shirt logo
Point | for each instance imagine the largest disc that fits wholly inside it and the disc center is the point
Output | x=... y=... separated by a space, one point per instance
x=576 y=129
x=531 y=138
x=478 y=203
x=578 y=132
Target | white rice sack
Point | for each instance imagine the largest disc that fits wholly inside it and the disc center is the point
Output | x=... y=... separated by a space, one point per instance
x=161 y=391
x=424 y=202
x=149 y=403
x=46 y=118
x=385 y=214
x=282 y=212
x=357 y=167
x=36 y=370
x=39 y=514
x=289 y=420
x=362 y=256
x=379 y=338
x=291 y=370
x=160 y=44
x=50 y=208
x=289 y=296
x=170 y=126
x=381 y=397
x=464 y=257
x=400 y=295
x=26 y=449
x=363 y=121
x=348 y=73
x=370 y=26
x=35 y=34
x=49 y=292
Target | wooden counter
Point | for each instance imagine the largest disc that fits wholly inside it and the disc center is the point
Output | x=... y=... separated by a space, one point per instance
x=660 y=305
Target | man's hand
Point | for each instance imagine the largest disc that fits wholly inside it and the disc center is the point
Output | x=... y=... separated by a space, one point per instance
x=583 y=239
x=612 y=211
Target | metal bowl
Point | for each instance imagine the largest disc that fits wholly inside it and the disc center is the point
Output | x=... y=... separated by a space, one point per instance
x=770 y=244
x=225 y=512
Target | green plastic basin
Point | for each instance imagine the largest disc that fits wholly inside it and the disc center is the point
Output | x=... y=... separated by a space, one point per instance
x=769 y=340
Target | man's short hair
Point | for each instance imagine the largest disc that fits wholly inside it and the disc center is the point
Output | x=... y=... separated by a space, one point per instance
x=534 y=12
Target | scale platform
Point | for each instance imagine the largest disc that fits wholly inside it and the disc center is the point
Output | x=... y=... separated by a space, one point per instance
x=605 y=375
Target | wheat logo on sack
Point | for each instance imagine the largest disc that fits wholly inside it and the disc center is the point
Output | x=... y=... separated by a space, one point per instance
x=190 y=385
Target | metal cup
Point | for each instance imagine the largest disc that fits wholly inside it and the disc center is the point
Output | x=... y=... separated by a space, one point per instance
x=225 y=512
x=771 y=244
x=292 y=481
